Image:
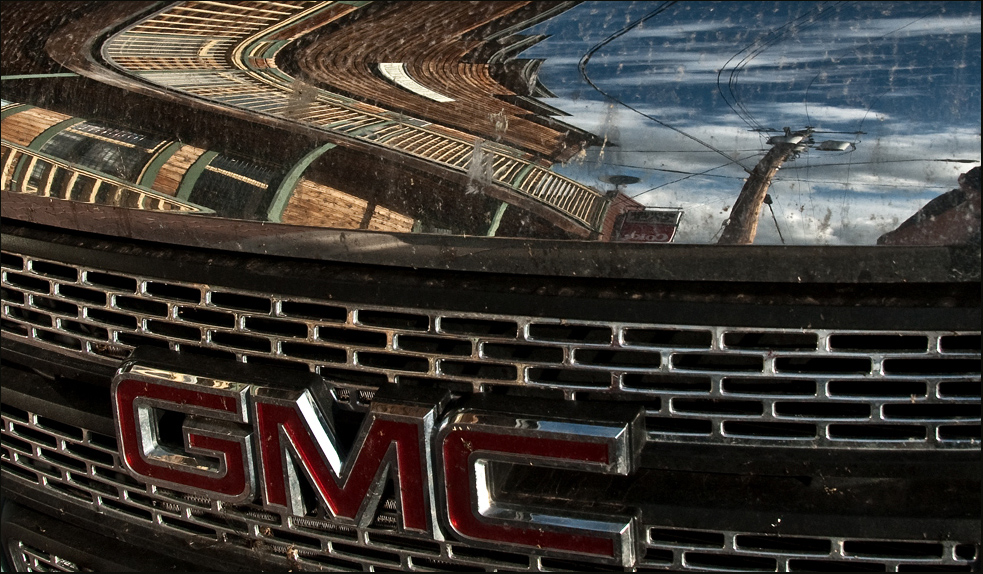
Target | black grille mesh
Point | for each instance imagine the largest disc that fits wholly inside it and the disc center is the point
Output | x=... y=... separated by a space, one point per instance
x=83 y=466
x=29 y=558
x=807 y=387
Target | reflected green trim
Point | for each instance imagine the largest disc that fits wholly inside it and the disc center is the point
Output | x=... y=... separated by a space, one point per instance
x=29 y=76
x=153 y=168
x=286 y=188
x=194 y=172
x=369 y=129
x=16 y=182
x=521 y=176
x=36 y=144
x=14 y=109
x=45 y=136
x=274 y=48
x=279 y=74
x=497 y=219
x=597 y=233
x=58 y=163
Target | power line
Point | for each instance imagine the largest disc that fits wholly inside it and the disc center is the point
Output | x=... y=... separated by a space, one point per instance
x=704 y=173
x=879 y=162
x=590 y=53
x=666 y=170
x=898 y=187
x=768 y=202
x=854 y=49
x=753 y=50
x=623 y=150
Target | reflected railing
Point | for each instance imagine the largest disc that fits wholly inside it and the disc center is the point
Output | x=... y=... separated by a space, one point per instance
x=226 y=54
x=35 y=173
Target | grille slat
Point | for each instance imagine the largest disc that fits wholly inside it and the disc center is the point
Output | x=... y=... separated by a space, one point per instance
x=808 y=387
x=40 y=451
x=29 y=558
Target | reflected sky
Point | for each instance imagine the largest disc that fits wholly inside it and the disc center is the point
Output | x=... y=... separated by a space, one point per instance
x=459 y=128
x=689 y=93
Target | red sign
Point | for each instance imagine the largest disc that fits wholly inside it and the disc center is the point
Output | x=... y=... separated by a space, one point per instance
x=648 y=226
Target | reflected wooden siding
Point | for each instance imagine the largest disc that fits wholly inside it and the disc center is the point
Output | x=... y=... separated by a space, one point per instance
x=169 y=177
x=319 y=205
x=34 y=173
x=253 y=33
x=24 y=127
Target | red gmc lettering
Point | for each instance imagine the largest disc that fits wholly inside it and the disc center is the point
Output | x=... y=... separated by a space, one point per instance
x=217 y=456
x=471 y=440
x=461 y=448
x=290 y=425
x=398 y=439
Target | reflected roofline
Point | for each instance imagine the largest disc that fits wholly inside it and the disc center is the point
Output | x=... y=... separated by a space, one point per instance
x=531 y=257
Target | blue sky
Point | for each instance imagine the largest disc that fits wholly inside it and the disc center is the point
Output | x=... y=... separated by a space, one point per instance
x=681 y=92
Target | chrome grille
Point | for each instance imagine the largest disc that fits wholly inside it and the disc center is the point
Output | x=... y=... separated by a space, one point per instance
x=706 y=384
x=84 y=466
x=28 y=558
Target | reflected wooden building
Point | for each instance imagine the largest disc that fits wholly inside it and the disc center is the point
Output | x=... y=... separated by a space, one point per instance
x=60 y=156
x=31 y=163
x=55 y=155
x=237 y=57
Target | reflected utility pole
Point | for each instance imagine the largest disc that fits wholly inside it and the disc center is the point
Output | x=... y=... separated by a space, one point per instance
x=742 y=225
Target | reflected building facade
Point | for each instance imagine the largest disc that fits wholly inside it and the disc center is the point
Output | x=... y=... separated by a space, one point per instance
x=51 y=154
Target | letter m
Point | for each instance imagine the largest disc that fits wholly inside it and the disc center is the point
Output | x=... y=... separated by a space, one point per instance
x=295 y=441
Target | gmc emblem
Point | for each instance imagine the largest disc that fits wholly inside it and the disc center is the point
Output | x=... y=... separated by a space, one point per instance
x=245 y=442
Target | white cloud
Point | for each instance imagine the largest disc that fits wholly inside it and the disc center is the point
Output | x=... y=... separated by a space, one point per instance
x=908 y=28
x=824 y=198
x=827 y=113
x=835 y=74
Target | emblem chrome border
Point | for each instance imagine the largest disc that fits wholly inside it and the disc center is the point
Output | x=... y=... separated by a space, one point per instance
x=257 y=438
x=474 y=438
